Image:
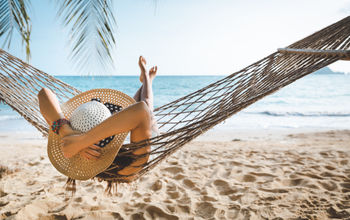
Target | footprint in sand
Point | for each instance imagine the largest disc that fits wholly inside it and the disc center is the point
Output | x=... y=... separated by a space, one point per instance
x=33 y=163
x=223 y=187
x=327 y=154
x=205 y=210
x=190 y=184
x=184 y=208
x=342 y=154
x=2 y=193
x=55 y=216
x=91 y=189
x=346 y=187
x=174 y=170
x=253 y=166
x=209 y=199
x=328 y=185
x=171 y=208
x=31 y=182
x=137 y=216
x=171 y=188
x=266 y=177
x=60 y=178
x=235 y=163
x=330 y=167
x=174 y=195
x=248 y=178
x=157 y=185
x=78 y=199
x=236 y=196
x=3 y=203
x=185 y=199
x=296 y=181
x=179 y=177
x=334 y=212
x=136 y=194
x=274 y=190
x=93 y=215
x=157 y=213
x=344 y=162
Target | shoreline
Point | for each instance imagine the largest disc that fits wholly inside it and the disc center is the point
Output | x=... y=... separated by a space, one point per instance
x=226 y=131
x=257 y=174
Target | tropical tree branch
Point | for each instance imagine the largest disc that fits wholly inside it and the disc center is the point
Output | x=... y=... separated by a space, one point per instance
x=14 y=17
x=91 y=24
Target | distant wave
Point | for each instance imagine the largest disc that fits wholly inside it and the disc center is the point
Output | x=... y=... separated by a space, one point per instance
x=326 y=70
x=303 y=114
x=9 y=117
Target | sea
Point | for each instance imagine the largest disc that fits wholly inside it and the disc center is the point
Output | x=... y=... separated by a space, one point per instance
x=317 y=101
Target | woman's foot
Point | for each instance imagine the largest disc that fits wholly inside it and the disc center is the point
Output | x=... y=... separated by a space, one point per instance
x=142 y=65
x=151 y=73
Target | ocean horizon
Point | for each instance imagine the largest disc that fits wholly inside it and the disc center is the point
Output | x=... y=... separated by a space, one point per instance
x=317 y=101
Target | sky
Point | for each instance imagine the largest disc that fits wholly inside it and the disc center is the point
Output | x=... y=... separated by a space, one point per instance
x=186 y=37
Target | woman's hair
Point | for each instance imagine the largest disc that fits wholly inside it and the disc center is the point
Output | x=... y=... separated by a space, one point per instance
x=119 y=163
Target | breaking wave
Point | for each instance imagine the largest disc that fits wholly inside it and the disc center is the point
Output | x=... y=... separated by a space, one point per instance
x=303 y=114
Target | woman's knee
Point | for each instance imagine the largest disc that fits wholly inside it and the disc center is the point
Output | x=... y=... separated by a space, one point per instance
x=143 y=107
x=145 y=113
x=44 y=92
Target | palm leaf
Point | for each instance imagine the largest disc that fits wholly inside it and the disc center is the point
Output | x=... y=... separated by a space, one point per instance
x=14 y=18
x=91 y=25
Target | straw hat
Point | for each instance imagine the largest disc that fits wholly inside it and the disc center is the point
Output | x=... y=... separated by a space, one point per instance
x=85 y=114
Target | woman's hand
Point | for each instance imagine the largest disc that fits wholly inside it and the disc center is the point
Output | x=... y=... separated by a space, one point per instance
x=74 y=144
x=91 y=152
x=67 y=130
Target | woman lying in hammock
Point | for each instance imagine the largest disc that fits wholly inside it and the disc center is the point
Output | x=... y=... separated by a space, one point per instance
x=136 y=118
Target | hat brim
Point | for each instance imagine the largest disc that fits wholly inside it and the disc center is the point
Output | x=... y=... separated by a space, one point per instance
x=77 y=167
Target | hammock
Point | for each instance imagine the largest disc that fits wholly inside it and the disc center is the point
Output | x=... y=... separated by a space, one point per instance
x=186 y=118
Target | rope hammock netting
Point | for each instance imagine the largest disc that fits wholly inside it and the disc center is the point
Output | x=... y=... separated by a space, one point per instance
x=184 y=119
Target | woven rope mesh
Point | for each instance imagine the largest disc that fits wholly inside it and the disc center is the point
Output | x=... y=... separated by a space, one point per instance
x=181 y=120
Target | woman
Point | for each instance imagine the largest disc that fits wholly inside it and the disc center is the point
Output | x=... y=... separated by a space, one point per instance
x=136 y=118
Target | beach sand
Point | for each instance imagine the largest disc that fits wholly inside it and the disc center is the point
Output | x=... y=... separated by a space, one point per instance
x=261 y=175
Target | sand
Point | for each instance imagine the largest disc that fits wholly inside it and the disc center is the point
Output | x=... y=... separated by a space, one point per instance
x=259 y=175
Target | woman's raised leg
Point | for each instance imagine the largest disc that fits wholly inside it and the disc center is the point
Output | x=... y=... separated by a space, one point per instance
x=152 y=74
x=145 y=94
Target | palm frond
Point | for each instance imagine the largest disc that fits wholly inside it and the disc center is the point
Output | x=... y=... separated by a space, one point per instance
x=14 y=17
x=91 y=24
